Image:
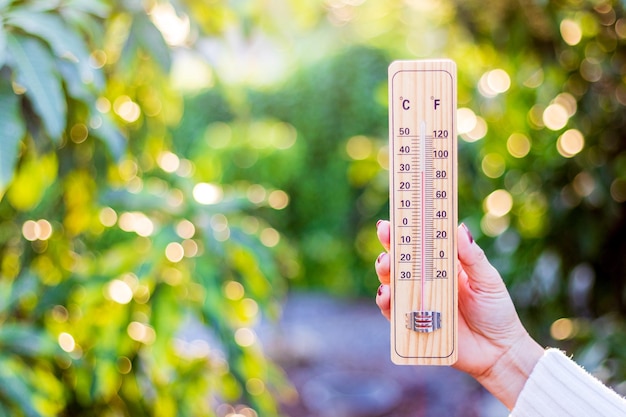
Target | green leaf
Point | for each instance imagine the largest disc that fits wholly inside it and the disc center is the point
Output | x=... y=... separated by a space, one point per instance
x=143 y=34
x=90 y=26
x=32 y=180
x=73 y=83
x=106 y=130
x=109 y=134
x=15 y=388
x=35 y=70
x=98 y=8
x=65 y=41
x=24 y=340
x=44 y=5
x=12 y=128
x=11 y=293
x=3 y=45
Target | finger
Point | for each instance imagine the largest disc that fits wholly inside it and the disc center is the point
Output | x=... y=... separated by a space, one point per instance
x=383 y=300
x=382 y=229
x=465 y=290
x=382 y=268
x=481 y=275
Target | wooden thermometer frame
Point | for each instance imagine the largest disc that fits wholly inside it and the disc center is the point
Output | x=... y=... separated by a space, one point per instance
x=423 y=212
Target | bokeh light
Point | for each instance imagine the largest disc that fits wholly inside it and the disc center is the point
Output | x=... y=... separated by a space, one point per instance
x=618 y=190
x=568 y=102
x=584 y=184
x=219 y=222
x=124 y=365
x=571 y=32
x=174 y=252
x=359 y=147
x=283 y=135
x=191 y=248
x=591 y=70
x=250 y=307
x=270 y=237
x=141 y=332
x=245 y=337
x=174 y=28
x=37 y=230
x=493 y=165
x=233 y=290
x=255 y=386
x=570 y=143
x=278 y=199
x=97 y=59
x=185 y=229
x=127 y=109
x=478 y=132
x=66 y=342
x=119 y=291
x=168 y=161
x=207 y=194
x=108 y=217
x=555 y=116
x=79 y=133
x=136 y=222
x=466 y=120
x=518 y=145
x=498 y=203
x=256 y=193
x=563 y=329
x=103 y=105
x=494 y=225
x=494 y=82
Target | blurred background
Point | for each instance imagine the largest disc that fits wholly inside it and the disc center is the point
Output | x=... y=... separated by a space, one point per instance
x=189 y=189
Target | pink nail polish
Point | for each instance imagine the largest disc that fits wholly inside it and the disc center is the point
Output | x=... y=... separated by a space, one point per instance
x=378 y=223
x=380 y=257
x=380 y=289
x=469 y=234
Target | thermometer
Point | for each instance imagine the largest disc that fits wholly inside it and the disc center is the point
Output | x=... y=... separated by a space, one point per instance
x=423 y=212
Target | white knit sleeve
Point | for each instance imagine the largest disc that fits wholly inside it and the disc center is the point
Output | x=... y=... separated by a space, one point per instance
x=558 y=387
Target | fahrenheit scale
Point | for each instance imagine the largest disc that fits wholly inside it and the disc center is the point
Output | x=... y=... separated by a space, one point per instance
x=423 y=212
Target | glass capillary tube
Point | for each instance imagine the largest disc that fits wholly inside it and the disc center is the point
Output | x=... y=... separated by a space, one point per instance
x=423 y=209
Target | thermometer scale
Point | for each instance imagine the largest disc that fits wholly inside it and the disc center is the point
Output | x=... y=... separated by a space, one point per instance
x=423 y=212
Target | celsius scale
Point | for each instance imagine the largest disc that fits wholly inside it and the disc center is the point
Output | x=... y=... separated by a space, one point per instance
x=423 y=212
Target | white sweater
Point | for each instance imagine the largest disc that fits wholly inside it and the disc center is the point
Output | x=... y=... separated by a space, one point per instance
x=558 y=387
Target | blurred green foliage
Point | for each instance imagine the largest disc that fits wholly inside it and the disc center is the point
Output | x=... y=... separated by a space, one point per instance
x=169 y=169
x=128 y=286
x=294 y=137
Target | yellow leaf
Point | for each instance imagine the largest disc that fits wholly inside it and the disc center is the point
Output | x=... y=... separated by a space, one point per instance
x=33 y=177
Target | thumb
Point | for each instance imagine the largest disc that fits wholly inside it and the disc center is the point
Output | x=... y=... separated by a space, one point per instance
x=482 y=276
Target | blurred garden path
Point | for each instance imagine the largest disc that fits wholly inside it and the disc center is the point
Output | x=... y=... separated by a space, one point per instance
x=336 y=353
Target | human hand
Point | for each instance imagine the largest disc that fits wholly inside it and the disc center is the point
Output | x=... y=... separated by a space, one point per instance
x=494 y=346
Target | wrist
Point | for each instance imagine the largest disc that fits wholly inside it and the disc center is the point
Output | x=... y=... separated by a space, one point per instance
x=506 y=378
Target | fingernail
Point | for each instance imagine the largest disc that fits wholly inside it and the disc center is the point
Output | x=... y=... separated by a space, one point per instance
x=378 y=223
x=469 y=234
x=380 y=289
x=380 y=257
